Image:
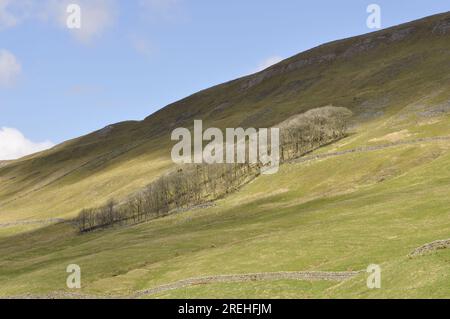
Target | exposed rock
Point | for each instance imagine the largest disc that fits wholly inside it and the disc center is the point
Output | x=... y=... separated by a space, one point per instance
x=313 y=60
x=436 y=110
x=259 y=77
x=401 y=34
x=372 y=42
x=281 y=69
x=362 y=45
x=300 y=85
x=359 y=47
x=220 y=108
x=106 y=130
x=442 y=27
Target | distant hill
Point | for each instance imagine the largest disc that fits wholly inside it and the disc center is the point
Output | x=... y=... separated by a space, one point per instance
x=376 y=197
x=374 y=75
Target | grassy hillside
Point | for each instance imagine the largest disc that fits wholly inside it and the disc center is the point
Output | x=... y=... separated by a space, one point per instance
x=335 y=214
x=374 y=75
x=340 y=213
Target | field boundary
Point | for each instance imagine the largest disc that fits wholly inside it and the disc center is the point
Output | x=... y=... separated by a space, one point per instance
x=429 y=247
x=234 y=278
x=364 y=149
x=237 y=278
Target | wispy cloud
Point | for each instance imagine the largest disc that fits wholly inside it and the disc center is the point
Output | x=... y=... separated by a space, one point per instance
x=97 y=16
x=10 y=68
x=142 y=45
x=13 y=12
x=7 y=18
x=268 y=63
x=14 y=145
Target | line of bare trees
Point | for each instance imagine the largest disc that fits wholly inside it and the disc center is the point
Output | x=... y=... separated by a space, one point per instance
x=317 y=127
x=194 y=184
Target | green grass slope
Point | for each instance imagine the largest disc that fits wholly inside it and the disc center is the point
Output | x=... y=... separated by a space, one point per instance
x=336 y=214
x=374 y=75
x=339 y=213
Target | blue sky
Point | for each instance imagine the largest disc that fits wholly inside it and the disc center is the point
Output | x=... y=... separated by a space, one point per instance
x=132 y=57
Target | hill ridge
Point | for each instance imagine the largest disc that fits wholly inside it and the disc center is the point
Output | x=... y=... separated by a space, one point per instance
x=373 y=75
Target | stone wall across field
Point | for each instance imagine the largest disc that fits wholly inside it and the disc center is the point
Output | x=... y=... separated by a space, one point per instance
x=433 y=246
x=294 y=275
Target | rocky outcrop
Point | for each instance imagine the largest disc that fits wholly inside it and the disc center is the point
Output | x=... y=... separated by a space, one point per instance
x=287 y=67
x=435 y=110
x=349 y=48
x=400 y=35
x=344 y=51
x=442 y=27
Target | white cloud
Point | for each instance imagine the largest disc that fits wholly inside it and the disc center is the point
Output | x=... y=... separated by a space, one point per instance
x=10 y=68
x=96 y=17
x=268 y=63
x=14 y=145
x=7 y=19
x=13 y=12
